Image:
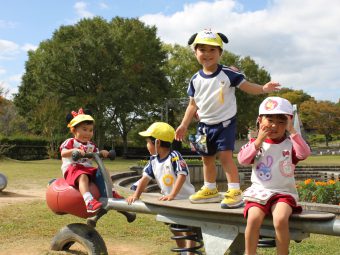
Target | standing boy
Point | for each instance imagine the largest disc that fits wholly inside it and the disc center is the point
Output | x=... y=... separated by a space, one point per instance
x=212 y=96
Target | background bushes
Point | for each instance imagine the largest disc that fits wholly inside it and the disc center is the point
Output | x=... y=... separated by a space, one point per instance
x=24 y=148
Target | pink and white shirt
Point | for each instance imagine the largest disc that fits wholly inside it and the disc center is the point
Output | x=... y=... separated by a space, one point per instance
x=273 y=166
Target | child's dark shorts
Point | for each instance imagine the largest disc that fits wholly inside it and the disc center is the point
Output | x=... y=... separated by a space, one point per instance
x=220 y=137
x=272 y=201
x=74 y=171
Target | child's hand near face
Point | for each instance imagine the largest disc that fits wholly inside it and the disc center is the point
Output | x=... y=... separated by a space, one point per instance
x=263 y=132
x=290 y=125
x=261 y=136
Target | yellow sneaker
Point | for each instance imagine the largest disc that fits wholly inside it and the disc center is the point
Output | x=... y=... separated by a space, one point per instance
x=232 y=199
x=205 y=195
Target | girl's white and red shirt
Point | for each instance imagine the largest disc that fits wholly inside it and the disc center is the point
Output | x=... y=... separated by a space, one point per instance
x=273 y=166
x=73 y=143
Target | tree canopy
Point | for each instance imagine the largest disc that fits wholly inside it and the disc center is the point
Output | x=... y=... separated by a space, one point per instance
x=322 y=117
x=112 y=68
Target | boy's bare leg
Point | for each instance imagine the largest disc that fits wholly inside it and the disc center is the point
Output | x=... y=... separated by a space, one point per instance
x=183 y=243
x=180 y=243
x=252 y=232
x=190 y=243
x=209 y=168
x=83 y=184
x=208 y=193
x=281 y=213
x=229 y=166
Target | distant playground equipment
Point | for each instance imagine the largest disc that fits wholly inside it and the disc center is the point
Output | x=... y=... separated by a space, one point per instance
x=3 y=182
x=64 y=199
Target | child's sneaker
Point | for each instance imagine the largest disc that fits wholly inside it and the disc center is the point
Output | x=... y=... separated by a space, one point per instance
x=205 y=195
x=232 y=199
x=116 y=195
x=93 y=206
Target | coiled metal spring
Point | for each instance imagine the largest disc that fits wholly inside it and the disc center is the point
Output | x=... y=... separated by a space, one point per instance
x=194 y=236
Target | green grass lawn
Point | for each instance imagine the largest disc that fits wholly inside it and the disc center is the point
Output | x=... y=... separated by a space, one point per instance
x=322 y=160
x=32 y=224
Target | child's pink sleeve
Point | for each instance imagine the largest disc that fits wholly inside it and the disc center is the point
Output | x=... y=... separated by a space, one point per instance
x=247 y=153
x=301 y=149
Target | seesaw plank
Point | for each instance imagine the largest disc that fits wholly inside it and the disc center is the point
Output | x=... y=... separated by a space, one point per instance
x=153 y=199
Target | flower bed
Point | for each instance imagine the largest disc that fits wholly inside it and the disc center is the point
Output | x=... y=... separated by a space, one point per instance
x=319 y=192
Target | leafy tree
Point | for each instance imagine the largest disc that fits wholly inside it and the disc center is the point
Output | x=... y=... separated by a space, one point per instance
x=2 y=99
x=179 y=68
x=73 y=67
x=141 y=85
x=294 y=96
x=112 y=68
x=322 y=117
x=181 y=64
x=247 y=105
x=11 y=123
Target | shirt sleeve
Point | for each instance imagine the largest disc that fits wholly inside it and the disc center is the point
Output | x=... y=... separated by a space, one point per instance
x=148 y=170
x=191 y=88
x=67 y=144
x=247 y=153
x=178 y=164
x=301 y=150
x=236 y=78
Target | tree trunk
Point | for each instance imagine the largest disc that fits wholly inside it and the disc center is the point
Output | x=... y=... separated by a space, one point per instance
x=125 y=144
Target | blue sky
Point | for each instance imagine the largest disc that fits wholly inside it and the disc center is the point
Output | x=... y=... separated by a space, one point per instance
x=300 y=49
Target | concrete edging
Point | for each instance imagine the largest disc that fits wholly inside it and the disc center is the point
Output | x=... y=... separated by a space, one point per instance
x=321 y=207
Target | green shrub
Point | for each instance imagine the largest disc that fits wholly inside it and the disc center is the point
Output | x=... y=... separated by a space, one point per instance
x=23 y=148
x=142 y=163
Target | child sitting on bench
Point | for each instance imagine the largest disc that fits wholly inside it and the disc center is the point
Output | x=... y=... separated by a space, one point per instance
x=273 y=155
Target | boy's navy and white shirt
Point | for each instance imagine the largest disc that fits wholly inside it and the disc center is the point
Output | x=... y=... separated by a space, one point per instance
x=214 y=94
x=165 y=172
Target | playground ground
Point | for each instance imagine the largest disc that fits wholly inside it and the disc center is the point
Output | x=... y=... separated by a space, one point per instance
x=27 y=225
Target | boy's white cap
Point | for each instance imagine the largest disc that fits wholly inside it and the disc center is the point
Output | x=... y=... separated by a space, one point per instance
x=276 y=105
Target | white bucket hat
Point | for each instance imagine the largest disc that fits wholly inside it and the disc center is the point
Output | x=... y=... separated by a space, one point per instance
x=276 y=105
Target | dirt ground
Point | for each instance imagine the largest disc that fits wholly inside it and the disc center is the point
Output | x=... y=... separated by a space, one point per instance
x=38 y=247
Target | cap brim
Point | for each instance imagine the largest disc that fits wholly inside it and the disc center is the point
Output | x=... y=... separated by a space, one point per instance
x=80 y=118
x=144 y=133
x=273 y=113
x=207 y=43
